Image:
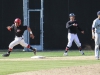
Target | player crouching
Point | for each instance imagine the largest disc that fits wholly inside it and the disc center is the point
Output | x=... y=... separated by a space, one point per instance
x=19 y=30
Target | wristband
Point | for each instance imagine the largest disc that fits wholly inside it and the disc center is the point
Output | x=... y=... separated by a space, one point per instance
x=31 y=32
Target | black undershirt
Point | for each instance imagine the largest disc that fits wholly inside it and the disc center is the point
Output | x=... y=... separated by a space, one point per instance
x=71 y=28
x=19 y=30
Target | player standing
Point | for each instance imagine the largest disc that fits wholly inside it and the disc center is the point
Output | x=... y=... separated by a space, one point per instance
x=19 y=30
x=72 y=27
x=96 y=34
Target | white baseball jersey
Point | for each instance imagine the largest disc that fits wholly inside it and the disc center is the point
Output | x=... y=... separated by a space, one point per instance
x=96 y=25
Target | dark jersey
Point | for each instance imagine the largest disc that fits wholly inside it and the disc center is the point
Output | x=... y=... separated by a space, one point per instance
x=19 y=30
x=71 y=28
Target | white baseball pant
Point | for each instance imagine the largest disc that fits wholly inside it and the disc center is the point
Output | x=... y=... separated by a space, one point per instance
x=97 y=43
x=71 y=38
x=18 y=40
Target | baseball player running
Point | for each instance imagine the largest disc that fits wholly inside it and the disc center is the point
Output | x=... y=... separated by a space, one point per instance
x=19 y=30
x=72 y=27
x=96 y=34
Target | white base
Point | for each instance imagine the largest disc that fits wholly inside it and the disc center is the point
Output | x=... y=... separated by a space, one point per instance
x=38 y=57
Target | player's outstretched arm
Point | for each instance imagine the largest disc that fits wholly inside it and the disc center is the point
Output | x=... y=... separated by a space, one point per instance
x=9 y=28
x=30 y=31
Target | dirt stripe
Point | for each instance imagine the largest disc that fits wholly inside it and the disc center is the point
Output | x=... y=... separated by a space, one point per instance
x=51 y=58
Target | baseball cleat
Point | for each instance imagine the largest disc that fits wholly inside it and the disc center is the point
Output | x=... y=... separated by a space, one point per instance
x=97 y=58
x=6 y=55
x=83 y=54
x=65 y=54
x=34 y=51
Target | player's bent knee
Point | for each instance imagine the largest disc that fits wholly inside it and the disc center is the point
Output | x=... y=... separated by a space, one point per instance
x=26 y=45
x=69 y=44
x=79 y=44
x=11 y=46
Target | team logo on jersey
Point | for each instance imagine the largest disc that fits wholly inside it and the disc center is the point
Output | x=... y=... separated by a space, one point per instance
x=18 y=30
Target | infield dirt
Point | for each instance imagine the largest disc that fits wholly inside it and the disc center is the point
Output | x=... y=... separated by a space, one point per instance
x=76 y=70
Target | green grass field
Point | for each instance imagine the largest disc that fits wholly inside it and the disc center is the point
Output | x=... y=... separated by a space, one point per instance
x=14 y=66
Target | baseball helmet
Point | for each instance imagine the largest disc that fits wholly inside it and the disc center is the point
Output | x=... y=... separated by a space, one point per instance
x=98 y=13
x=71 y=14
x=17 y=20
